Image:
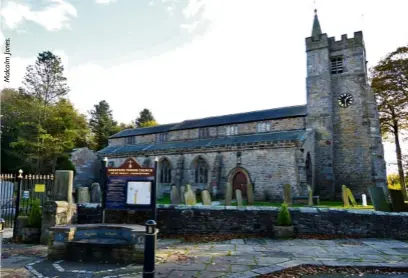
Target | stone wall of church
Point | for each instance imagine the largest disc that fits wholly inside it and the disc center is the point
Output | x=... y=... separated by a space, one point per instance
x=268 y=169
x=243 y=128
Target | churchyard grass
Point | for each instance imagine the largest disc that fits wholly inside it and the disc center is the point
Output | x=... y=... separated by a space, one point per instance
x=165 y=200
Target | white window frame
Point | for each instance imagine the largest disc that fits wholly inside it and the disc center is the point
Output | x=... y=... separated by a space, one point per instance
x=232 y=130
x=263 y=127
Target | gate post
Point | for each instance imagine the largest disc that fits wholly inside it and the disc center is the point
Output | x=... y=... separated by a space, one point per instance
x=16 y=213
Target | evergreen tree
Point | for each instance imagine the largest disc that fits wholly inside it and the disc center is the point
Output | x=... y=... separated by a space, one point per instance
x=102 y=124
x=45 y=81
x=40 y=123
x=145 y=119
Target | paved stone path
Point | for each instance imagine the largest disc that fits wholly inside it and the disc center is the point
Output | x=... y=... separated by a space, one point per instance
x=233 y=258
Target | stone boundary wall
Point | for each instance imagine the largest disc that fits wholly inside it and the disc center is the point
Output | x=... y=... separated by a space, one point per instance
x=183 y=219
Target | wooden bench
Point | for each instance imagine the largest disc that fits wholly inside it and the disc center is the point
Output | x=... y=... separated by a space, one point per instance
x=304 y=200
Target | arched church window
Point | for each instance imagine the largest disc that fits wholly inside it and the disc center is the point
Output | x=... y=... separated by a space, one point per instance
x=201 y=171
x=165 y=171
x=309 y=170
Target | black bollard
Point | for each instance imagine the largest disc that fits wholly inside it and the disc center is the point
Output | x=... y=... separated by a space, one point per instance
x=150 y=250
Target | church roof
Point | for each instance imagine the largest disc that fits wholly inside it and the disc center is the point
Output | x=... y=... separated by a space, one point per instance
x=276 y=113
x=294 y=135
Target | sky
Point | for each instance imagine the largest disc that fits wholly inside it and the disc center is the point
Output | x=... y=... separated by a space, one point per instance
x=186 y=59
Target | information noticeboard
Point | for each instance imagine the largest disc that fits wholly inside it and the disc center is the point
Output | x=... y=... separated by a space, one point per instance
x=129 y=186
x=139 y=193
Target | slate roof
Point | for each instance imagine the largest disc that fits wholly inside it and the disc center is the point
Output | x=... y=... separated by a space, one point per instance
x=276 y=113
x=295 y=135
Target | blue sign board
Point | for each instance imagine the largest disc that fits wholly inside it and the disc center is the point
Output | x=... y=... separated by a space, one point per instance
x=26 y=194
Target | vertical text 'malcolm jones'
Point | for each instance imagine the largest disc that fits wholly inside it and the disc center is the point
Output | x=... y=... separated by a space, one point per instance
x=7 y=54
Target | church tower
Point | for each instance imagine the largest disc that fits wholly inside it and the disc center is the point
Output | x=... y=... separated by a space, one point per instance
x=342 y=110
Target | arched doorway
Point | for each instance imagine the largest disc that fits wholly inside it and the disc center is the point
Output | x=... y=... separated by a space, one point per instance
x=240 y=182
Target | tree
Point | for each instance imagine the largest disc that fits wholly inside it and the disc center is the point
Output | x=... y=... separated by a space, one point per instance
x=44 y=87
x=43 y=144
x=13 y=109
x=145 y=119
x=148 y=124
x=37 y=147
x=390 y=86
x=45 y=80
x=102 y=124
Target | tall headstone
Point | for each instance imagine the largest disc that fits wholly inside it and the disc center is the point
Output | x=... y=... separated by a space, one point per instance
x=309 y=196
x=287 y=194
x=83 y=195
x=345 y=197
x=351 y=197
x=250 y=194
x=364 y=200
x=238 y=193
x=378 y=198
x=206 y=198
x=96 y=193
x=62 y=189
x=190 y=198
x=228 y=194
x=174 y=196
x=59 y=210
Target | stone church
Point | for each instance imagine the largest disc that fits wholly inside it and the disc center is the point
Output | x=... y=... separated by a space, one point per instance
x=332 y=140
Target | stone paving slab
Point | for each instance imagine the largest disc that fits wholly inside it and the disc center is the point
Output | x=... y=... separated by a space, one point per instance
x=234 y=258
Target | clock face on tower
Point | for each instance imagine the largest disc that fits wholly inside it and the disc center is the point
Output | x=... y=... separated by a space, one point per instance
x=345 y=100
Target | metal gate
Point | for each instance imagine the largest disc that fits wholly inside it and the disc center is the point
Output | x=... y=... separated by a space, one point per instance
x=22 y=189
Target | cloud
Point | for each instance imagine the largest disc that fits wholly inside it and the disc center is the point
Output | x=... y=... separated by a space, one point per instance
x=104 y=2
x=252 y=57
x=54 y=17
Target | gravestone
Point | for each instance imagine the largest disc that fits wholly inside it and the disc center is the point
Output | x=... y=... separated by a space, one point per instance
x=397 y=201
x=309 y=196
x=96 y=193
x=250 y=194
x=206 y=198
x=182 y=192
x=287 y=194
x=62 y=189
x=351 y=197
x=174 y=196
x=228 y=194
x=238 y=193
x=378 y=198
x=190 y=198
x=59 y=210
x=345 y=196
x=83 y=195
